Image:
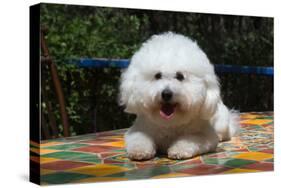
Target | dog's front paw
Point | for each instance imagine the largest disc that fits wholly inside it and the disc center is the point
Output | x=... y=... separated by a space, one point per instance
x=183 y=154
x=223 y=137
x=141 y=155
x=183 y=149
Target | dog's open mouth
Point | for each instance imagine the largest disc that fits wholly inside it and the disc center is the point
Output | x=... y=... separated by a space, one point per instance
x=167 y=111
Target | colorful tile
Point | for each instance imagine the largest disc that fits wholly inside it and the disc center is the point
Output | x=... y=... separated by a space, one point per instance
x=100 y=179
x=257 y=121
x=109 y=154
x=47 y=160
x=65 y=146
x=63 y=165
x=75 y=156
x=34 y=144
x=258 y=156
x=96 y=149
x=100 y=169
x=45 y=171
x=35 y=150
x=120 y=144
x=262 y=166
x=239 y=170
x=62 y=177
x=46 y=151
x=35 y=159
x=102 y=156
x=98 y=141
x=230 y=162
x=171 y=175
x=51 y=143
x=204 y=170
x=143 y=173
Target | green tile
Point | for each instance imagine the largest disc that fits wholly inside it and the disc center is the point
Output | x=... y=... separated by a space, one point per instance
x=65 y=146
x=126 y=165
x=270 y=160
x=89 y=159
x=143 y=173
x=33 y=146
x=236 y=163
x=62 y=177
x=215 y=161
x=183 y=166
x=120 y=158
x=119 y=150
x=74 y=156
x=255 y=127
x=265 y=117
x=228 y=162
x=253 y=148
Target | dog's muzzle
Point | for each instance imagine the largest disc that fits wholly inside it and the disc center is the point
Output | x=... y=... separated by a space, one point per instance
x=167 y=95
x=167 y=109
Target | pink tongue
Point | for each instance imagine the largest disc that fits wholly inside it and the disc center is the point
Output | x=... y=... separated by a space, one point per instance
x=167 y=111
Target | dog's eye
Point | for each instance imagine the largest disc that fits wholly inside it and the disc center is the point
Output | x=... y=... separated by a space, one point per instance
x=158 y=76
x=179 y=76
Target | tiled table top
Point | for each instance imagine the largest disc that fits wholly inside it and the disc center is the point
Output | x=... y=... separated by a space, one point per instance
x=102 y=157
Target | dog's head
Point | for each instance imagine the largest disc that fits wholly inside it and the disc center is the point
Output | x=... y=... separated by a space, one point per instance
x=170 y=80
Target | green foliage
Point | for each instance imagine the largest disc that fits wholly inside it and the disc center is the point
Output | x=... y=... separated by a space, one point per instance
x=81 y=31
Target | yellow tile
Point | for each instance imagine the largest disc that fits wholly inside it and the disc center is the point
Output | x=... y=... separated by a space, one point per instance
x=239 y=170
x=35 y=150
x=165 y=161
x=249 y=116
x=47 y=160
x=50 y=144
x=99 y=179
x=46 y=151
x=115 y=144
x=256 y=121
x=99 y=169
x=45 y=171
x=257 y=156
x=171 y=175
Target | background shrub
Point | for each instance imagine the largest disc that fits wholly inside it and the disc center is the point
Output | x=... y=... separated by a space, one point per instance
x=91 y=94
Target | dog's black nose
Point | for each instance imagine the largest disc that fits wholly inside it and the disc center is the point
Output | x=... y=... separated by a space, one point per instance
x=167 y=95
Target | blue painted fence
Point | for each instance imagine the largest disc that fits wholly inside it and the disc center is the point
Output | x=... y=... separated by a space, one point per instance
x=124 y=63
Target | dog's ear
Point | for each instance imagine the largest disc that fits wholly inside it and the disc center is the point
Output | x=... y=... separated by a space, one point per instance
x=212 y=98
x=127 y=93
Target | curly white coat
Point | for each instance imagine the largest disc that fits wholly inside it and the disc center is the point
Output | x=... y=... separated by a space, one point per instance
x=199 y=118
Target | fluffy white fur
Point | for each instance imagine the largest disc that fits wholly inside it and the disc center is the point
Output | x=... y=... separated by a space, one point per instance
x=199 y=118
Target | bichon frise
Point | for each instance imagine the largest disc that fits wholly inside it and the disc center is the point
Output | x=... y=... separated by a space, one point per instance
x=172 y=88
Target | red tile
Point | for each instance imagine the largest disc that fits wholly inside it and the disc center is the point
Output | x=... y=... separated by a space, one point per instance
x=245 y=126
x=63 y=165
x=267 y=151
x=99 y=141
x=218 y=155
x=260 y=166
x=267 y=125
x=205 y=169
x=111 y=154
x=96 y=149
x=241 y=150
x=145 y=165
x=110 y=161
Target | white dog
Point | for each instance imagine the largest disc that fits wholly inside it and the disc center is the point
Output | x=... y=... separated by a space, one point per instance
x=172 y=88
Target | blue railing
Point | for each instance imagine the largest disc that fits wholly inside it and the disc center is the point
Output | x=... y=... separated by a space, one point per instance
x=124 y=63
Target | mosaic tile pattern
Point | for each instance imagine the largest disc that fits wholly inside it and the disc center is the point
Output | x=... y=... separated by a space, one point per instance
x=102 y=157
